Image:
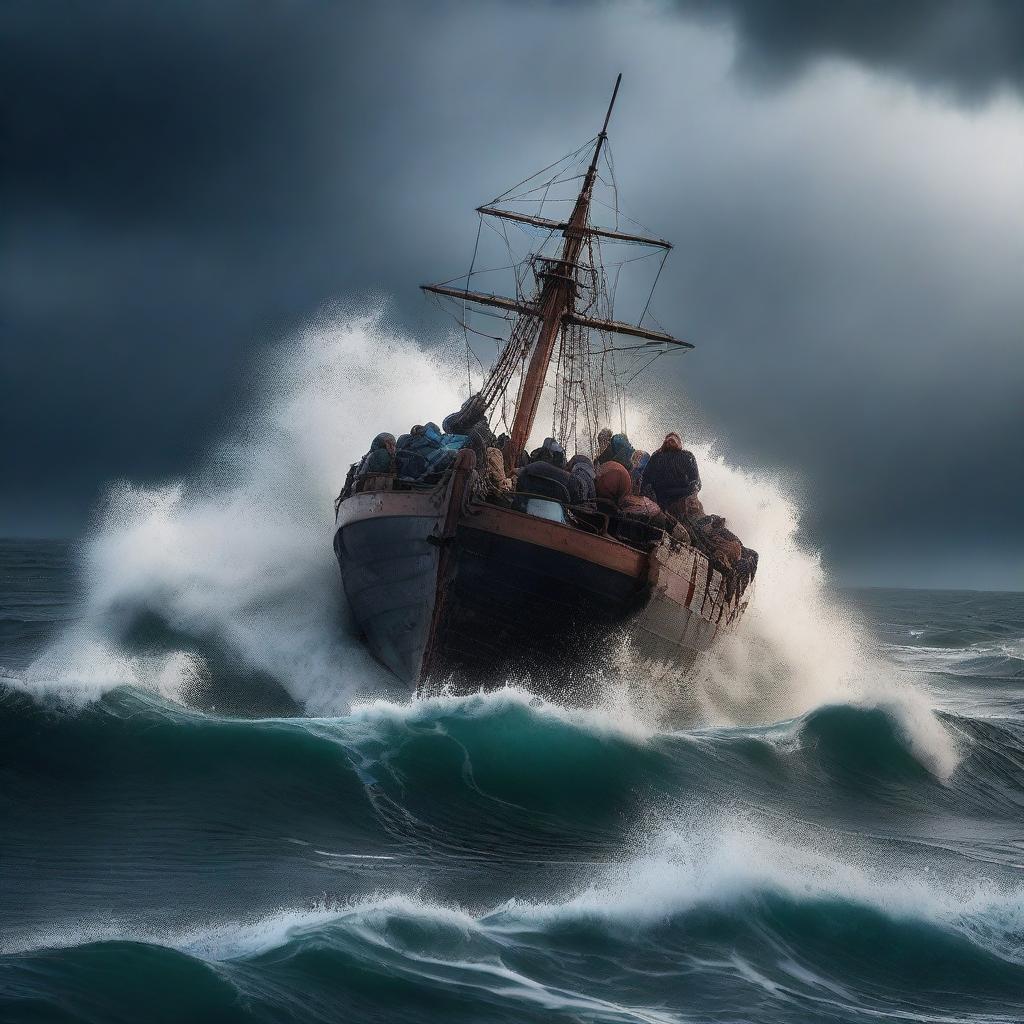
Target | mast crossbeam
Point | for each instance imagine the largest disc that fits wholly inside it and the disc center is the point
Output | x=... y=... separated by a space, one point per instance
x=484 y=298
x=565 y=227
x=618 y=327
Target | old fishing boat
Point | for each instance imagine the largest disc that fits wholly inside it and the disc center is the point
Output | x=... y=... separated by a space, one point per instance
x=452 y=581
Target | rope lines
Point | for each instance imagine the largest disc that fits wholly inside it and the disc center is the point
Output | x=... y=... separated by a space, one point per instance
x=589 y=374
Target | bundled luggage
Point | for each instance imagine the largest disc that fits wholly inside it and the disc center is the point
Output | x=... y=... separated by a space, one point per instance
x=426 y=453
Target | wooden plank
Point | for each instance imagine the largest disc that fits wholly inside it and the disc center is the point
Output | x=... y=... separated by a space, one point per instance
x=377 y=504
x=603 y=551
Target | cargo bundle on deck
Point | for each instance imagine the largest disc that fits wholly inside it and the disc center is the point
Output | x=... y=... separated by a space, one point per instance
x=467 y=561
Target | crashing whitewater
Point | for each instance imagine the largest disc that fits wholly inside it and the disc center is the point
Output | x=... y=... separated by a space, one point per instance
x=235 y=563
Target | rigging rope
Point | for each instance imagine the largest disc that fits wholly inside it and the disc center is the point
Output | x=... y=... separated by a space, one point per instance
x=647 y=304
x=469 y=274
x=537 y=174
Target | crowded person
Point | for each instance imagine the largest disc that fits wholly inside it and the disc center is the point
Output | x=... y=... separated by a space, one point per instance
x=550 y=452
x=618 y=450
x=672 y=479
x=471 y=422
x=640 y=460
x=613 y=483
x=584 y=478
x=380 y=458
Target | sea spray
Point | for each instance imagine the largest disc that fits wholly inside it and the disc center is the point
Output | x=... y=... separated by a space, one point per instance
x=799 y=645
x=242 y=553
x=239 y=558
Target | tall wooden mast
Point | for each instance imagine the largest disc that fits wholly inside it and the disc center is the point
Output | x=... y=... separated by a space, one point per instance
x=554 y=304
x=556 y=300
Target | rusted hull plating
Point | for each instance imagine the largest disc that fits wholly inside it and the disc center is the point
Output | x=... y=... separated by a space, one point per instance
x=497 y=593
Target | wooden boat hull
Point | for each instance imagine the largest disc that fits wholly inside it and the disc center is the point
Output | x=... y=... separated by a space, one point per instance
x=487 y=593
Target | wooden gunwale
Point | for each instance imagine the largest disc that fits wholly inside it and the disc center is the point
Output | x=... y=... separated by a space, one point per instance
x=700 y=593
x=506 y=522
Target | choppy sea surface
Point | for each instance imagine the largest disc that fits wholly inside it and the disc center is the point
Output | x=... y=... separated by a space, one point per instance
x=183 y=838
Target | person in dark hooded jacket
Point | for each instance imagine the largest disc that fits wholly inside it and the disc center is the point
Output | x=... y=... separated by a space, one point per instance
x=381 y=456
x=619 y=450
x=550 y=452
x=556 y=453
x=583 y=477
x=548 y=481
x=671 y=475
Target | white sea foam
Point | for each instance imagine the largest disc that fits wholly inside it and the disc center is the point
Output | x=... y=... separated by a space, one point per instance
x=974 y=659
x=600 y=720
x=798 y=646
x=81 y=667
x=724 y=861
x=241 y=555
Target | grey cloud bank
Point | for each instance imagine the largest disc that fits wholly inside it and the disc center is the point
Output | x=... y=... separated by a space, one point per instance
x=968 y=50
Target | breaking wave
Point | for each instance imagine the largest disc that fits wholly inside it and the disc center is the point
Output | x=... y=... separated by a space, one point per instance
x=700 y=918
x=504 y=764
x=222 y=589
x=991 y=659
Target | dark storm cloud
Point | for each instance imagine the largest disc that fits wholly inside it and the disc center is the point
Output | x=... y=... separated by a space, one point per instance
x=166 y=203
x=181 y=184
x=970 y=48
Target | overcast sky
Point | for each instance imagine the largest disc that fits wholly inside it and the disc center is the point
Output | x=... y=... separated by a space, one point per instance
x=183 y=183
